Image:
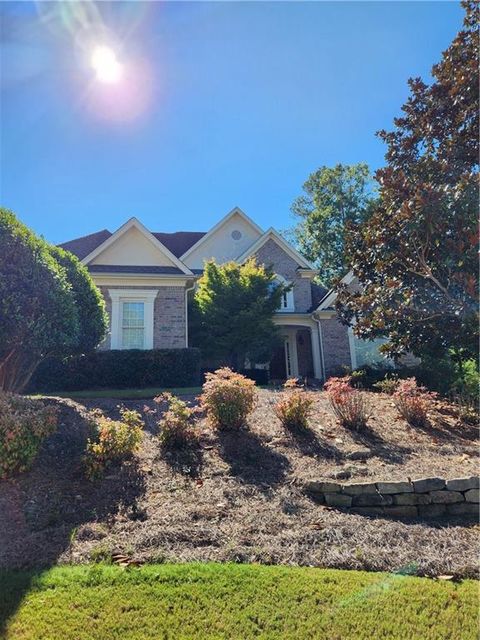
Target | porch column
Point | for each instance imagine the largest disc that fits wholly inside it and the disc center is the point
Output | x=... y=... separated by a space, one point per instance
x=317 y=365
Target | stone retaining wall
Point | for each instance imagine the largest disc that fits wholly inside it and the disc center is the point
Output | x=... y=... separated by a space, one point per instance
x=424 y=498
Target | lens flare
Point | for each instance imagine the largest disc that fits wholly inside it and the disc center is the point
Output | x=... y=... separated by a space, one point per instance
x=106 y=66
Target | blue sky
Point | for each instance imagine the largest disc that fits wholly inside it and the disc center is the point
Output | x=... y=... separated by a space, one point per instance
x=225 y=104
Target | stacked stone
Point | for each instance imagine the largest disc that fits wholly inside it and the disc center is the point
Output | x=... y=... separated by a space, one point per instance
x=424 y=498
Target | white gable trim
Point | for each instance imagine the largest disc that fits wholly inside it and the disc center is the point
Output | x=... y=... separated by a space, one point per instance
x=331 y=296
x=224 y=220
x=133 y=222
x=271 y=234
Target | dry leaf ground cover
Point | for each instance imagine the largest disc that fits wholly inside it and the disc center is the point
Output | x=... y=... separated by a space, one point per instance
x=238 y=496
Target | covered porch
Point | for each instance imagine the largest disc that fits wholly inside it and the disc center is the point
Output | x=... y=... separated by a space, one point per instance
x=299 y=356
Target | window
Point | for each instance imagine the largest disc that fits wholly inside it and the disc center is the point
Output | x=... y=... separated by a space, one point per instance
x=133 y=325
x=286 y=303
x=132 y=318
x=366 y=352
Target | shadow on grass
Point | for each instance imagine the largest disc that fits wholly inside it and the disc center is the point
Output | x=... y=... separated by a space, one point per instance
x=186 y=460
x=45 y=508
x=250 y=459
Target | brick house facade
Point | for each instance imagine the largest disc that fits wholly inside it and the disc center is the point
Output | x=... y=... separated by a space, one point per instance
x=145 y=278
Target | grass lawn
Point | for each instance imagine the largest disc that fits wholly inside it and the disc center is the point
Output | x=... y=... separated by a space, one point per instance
x=149 y=392
x=194 y=601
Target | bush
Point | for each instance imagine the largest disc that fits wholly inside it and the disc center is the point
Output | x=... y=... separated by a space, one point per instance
x=388 y=385
x=24 y=423
x=349 y=404
x=113 y=442
x=228 y=398
x=119 y=369
x=294 y=406
x=413 y=402
x=176 y=425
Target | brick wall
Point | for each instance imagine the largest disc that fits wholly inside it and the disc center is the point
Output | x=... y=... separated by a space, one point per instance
x=168 y=317
x=271 y=255
x=336 y=347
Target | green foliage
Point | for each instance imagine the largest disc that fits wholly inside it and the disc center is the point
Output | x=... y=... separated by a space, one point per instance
x=90 y=305
x=176 y=424
x=231 y=313
x=49 y=304
x=228 y=398
x=388 y=385
x=37 y=314
x=119 y=369
x=238 y=602
x=24 y=423
x=294 y=406
x=334 y=199
x=113 y=441
x=416 y=256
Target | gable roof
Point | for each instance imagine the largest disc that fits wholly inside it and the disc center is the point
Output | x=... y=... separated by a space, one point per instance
x=225 y=219
x=330 y=296
x=84 y=245
x=271 y=234
x=133 y=222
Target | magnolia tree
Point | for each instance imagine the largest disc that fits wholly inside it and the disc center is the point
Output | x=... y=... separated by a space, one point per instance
x=416 y=256
x=231 y=315
x=48 y=304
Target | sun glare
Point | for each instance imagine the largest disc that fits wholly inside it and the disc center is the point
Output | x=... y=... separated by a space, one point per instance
x=106 y=66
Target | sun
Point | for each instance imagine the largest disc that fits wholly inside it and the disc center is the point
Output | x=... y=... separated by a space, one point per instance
x=106 y=65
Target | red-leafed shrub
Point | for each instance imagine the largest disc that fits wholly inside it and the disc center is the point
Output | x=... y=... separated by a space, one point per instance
x=349 y=404
x=413 y=401
x=177 y=422
x=294 y=407
x=24 y=423
x=113 y=441
x=228 y=398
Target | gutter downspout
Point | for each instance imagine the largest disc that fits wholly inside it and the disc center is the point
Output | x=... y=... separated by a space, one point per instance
x=187 y=289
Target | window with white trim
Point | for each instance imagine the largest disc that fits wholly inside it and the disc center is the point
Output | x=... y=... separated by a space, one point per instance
x=286 y=302
x=133 y=325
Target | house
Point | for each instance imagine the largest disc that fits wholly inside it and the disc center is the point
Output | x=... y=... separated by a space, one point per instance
x=145 y=277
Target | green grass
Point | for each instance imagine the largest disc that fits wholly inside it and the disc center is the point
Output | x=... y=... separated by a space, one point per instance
x=196 y=601
x=149 y=392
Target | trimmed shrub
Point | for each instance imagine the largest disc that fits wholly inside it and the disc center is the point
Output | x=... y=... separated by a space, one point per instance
x=176 y=424
x=294 y=406
x=24 y=423
x=228 y=398
x=413 y=402
x=113 y=442
x=349 y=404
x=119 y=369
x=388 y=385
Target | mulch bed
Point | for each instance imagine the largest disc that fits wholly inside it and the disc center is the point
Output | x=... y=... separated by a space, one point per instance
x=238 y=496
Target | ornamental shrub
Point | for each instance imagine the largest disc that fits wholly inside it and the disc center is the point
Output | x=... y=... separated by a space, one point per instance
x=113 y=441
x=294 y=407
x=24 y=423
x=413 y=402
x=177 y=422
x=228 y=398
x=388 y=385
x=349 y=404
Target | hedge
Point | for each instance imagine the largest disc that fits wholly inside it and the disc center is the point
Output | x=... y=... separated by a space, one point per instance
x=132 y=368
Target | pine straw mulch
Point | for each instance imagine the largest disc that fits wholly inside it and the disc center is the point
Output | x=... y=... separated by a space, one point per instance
x=238 y=496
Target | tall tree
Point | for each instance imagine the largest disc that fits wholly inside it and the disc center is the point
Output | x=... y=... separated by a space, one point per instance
x=334 y=198
x=232 y=311
x=40 y=300
x=416 y=256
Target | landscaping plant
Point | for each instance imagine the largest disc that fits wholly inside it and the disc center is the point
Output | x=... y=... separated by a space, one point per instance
x=176 y=424
x=388 y=385
x=349 y=404
x=24 y=423
x=114 y=441
x=294 y=407
x=413 y=401
x=228 y=398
